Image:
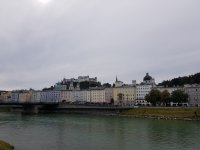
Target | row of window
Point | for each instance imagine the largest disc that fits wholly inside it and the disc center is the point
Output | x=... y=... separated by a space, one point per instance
x=144 y=88
x=143 y=92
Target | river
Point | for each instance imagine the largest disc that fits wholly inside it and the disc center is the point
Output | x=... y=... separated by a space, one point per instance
x=88 y=132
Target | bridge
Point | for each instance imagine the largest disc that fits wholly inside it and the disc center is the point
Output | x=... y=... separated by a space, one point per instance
x=30 y=107
x=27 y=103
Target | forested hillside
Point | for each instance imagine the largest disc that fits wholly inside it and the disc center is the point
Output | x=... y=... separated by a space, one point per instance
x=180 y=81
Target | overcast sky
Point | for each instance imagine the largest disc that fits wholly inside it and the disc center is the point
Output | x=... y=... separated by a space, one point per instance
x=42 y=41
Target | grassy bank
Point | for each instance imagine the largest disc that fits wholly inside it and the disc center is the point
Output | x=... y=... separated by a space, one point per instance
x=165 y=113
x=5 y=146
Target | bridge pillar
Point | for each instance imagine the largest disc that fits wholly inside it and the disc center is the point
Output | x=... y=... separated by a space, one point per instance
x=31 y=109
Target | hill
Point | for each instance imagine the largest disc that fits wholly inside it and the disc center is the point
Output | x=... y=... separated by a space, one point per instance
x=180 y=81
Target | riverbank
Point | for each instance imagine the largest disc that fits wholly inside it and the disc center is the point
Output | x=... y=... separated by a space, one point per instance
x=164 y=113
x=5 y=146
x=144 y=112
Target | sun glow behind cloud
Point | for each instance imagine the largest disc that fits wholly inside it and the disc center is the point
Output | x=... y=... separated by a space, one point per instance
x=44 y=2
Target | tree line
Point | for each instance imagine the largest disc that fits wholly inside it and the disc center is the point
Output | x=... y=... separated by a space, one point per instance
x=180 y=81
x=155 y=97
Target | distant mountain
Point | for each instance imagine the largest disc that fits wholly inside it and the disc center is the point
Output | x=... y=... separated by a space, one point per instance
x=180 y=81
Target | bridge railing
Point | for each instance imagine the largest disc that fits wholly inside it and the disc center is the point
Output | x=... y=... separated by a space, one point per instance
x=28 y=103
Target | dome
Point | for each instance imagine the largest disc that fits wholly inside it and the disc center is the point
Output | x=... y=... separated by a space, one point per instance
x=147 y=77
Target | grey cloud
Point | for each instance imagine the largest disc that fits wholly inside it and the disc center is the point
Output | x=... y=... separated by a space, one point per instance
x=40 y=45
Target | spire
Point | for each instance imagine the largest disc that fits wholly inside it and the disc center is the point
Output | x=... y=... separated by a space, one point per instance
x=116 y=79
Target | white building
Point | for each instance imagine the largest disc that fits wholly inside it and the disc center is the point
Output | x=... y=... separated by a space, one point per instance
x=66 y=96
x=92 y=95
x=97 y=95
x=86 y=95
x=108 y=95
x=143 y=89
x=76 y=96
x=86 y=78
x=36 y=96
x=80 y=79
x=50 y=96
x=14 y=96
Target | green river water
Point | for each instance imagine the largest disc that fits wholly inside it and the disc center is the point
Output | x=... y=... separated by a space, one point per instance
x=85 y=132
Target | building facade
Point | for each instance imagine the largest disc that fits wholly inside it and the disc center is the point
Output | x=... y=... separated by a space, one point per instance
x=24 y=97
x=97 y=95
x=36 y=96
x=86 y=95
x=14 y=97
x=5 y=96
x=86 y=78
x=141 y=92
x=125 y=95
x=80 y=96
x=193 y=92
x=76 y=96
x=143 y=89
x=66 y=96
x=109 y=95
x=50 y=96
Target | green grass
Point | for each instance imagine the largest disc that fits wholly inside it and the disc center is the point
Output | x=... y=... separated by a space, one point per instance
x=5 y=146
x=173 y=113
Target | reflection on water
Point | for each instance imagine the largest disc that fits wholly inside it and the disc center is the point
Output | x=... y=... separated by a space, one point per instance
x=82 y=132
